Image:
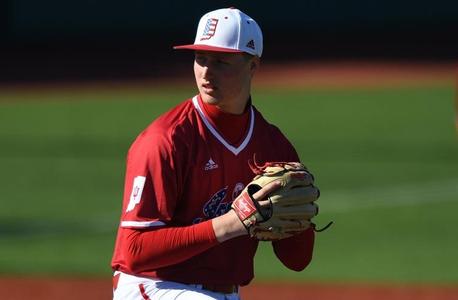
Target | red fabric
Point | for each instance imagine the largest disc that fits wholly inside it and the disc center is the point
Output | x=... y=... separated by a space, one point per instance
x=171 y=246
x=115 y=281
x=142 y=291
x=232 y=127
x=296 y=252
x=207 y=48
x=190 y=177
x=244 y=207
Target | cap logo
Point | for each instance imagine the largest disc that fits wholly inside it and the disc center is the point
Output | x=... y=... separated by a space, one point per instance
x=209 y=29
x=251 y=45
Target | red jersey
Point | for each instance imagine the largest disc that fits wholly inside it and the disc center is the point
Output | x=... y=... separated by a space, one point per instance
x=181 y=173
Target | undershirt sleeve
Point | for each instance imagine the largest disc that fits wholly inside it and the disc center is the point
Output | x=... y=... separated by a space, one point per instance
x=167 y=246
x=296 y=252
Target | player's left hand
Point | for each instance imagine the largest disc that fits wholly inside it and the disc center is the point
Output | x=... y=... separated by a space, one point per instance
x=279 y=202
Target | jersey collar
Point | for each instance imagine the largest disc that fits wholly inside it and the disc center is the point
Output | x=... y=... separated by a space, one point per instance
x=217 y=135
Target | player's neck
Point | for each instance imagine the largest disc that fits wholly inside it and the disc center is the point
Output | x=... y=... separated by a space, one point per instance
x=237 y=104
x=234 y=107
x=220 y=110
x=232 y=126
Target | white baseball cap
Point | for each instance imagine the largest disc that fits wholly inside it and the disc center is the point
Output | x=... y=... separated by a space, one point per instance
x=227 y=30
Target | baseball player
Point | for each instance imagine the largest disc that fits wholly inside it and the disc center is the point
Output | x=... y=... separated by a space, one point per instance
x=180 y=237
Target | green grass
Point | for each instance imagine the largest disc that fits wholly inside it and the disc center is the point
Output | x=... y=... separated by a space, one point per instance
x=386 y=162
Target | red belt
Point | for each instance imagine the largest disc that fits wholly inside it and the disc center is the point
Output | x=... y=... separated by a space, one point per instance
x=221 y=288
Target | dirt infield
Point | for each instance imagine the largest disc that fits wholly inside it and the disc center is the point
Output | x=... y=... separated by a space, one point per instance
x=354 y=74
x=308 y=75
x=98 y=289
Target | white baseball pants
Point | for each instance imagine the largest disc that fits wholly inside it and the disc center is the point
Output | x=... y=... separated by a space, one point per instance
x=131 y=287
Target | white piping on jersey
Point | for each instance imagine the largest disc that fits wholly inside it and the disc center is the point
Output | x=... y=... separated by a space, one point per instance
x=142 y=224
x=235 y=150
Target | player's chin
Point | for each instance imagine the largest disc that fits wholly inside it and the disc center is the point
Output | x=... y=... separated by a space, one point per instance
x=210 y=98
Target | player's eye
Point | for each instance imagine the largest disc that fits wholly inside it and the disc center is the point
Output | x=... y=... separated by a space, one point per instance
x=200 y=59
x=222 y=62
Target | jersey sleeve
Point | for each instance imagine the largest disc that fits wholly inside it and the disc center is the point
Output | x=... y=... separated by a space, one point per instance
x=147 y=238
x=288 y=152
x=152 y=182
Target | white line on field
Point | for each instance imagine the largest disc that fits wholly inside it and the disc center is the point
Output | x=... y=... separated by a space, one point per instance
x=338 y=201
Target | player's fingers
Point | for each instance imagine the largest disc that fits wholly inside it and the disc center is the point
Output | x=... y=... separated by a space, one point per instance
x=265 y=203
x=295 y=225
x=305 y=177
x=266 y=190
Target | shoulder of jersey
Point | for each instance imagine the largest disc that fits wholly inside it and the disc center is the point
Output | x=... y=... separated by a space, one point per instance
x=178 y=119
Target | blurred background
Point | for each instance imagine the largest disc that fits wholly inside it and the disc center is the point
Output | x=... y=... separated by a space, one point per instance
x=117 y=39
x=365 y=90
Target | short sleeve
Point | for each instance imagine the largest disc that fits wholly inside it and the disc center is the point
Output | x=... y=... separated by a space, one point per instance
x=288 y=150
x=151 y=183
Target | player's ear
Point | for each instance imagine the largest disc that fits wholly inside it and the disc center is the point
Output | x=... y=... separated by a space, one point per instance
x=254 y=64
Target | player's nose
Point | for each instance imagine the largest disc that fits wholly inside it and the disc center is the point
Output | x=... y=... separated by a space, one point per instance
x=207 y=72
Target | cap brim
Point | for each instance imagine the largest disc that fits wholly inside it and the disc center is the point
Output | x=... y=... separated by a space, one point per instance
x=207 y=48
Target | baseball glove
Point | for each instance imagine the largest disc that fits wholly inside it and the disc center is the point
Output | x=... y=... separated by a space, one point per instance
x=289 y=209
